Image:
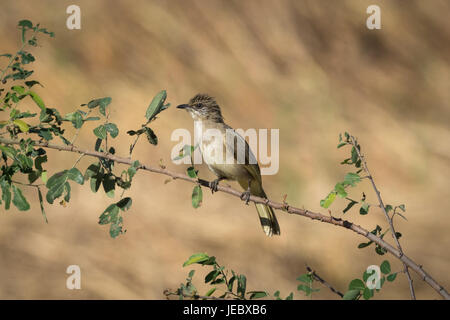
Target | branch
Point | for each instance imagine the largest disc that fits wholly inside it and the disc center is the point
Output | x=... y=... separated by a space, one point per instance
x=194 y=296
x=275 y=205
x=389 y=219
x=322 y=281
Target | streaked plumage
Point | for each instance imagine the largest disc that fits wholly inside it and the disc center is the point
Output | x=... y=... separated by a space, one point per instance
x=207 y=115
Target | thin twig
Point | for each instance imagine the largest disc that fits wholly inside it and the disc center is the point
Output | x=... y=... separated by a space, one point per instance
x=389 y=219
x=168 y=293
x=275 y=205
x=24 y=44
x=322 y=281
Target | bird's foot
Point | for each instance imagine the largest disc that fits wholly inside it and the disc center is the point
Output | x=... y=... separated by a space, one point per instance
x=245 y=196
x=214 y=184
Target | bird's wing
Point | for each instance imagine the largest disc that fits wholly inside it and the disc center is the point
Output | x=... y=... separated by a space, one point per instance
x=237 y=143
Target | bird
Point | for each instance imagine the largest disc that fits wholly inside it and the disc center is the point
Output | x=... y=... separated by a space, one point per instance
x=207 y=117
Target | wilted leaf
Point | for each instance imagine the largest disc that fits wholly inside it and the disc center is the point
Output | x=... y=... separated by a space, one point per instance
x=325 y=203
x=197 y=196
x=22 y=125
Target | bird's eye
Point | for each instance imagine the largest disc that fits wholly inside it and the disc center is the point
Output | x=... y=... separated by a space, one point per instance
x=199 y=105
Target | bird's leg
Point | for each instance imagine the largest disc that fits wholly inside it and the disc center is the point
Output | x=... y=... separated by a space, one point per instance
x=246 y=195
x=214 y=184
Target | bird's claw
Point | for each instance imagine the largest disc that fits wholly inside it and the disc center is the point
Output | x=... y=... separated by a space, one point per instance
x=213 y=185
x=245 y=196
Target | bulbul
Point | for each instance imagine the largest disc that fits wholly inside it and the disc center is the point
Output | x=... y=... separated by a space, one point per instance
x=227 y=145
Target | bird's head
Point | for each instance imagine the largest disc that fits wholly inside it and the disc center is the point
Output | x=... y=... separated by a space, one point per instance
x=203 y=107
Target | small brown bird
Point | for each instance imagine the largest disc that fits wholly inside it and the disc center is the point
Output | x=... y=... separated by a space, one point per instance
x=217 y=149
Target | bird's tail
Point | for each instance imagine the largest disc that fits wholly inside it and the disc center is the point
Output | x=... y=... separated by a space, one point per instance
x=268 y=219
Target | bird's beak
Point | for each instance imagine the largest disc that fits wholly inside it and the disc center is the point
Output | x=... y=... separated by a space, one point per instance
x=183 y=106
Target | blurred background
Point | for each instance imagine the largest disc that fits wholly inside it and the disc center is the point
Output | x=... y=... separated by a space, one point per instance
x=309 y=68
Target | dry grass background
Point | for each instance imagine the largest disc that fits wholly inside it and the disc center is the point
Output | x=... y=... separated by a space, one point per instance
x=310 y=68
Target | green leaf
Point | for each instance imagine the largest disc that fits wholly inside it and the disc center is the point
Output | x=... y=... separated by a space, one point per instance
x=351 y=179
x=385 y=267
x=356 y=284
x=257 y=294
x=156 y=105
x=291 y=296
x=242 y=285
x=340 y=190
x=364 y=244
x=349 y=206
x=19 y=200
x=22 y=125
x=41 y=203
x=392 y=277
x=196 y=258
x=325 y=203
x=191 y=172
x=112 y=129
x=76 y=118
x=351 y=295
x=341 y=144
x=96 y=181
x=19 y=89
x=211 y=276
x=305 y=288
x=151 y=136
x=66 y=191
x=56 y=186
x=25 y=23
x=102 y=103
x=110 y=214
x=367 y=293
x=379 y=250
x=354 y=155
x=305 y=278
x=10 y=152
x=38 y=161
x=109 y=185
x=100 y=132
x=31 y=83
x=276 y=294
x=75 y=175
x=26 y=57
x=402 y=207
x=91 y=170
x=210 y=292
x=37 y=99
x=197 y=196
x=388 y=208
x=364 y=209
x=6 y=193
x=125 y=203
